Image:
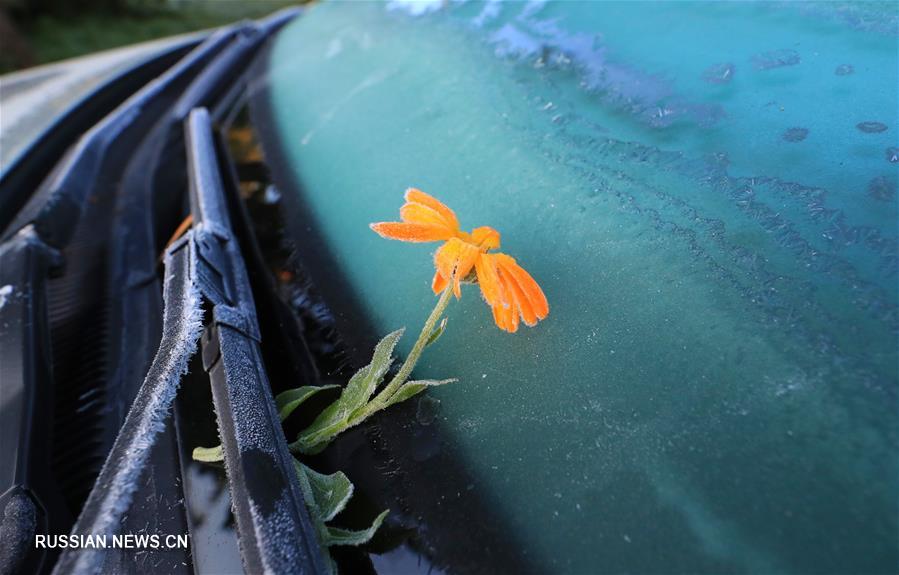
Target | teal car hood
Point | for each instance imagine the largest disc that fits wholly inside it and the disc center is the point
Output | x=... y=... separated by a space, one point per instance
x=706 y=194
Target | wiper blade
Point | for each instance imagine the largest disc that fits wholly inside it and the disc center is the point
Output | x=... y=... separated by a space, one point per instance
x=205 y=270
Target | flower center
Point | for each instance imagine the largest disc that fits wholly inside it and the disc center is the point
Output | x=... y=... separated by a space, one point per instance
x=484 y=238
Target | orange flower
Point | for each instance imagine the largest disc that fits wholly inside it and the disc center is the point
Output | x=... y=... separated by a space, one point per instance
x=507 y=288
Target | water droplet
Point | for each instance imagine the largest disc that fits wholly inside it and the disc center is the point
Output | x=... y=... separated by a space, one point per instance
x=844 y=70
x=776 y=59
x=871 y=127
x=795 y=134
x=882 y=188
x=427 y=410
x=719 y=73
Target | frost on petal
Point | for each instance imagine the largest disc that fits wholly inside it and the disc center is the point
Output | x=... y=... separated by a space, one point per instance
x=411 y=232
x=417 y=196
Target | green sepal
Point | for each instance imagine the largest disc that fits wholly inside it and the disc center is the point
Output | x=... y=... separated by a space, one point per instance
x=291 y=399
x=436 y=333
x=337 y=536
x=412 y=388
x=208 y=454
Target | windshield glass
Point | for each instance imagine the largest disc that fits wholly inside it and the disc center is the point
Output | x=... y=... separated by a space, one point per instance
x=706 y=193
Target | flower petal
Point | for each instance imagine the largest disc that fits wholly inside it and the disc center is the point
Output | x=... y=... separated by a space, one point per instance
x=411 y=232
x=438 y=284
x=454 y=260
x=417 y=196
x=513 y=318
x=498 y=317
x=413 y=213
x=511 y=286
x=446 y=257
x=506 y=317
x=467 y=258
x=528 y=286
x=488 y=279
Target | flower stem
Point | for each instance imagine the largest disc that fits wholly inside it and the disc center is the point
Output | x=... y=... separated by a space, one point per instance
x=313 y=441
x=405 y=371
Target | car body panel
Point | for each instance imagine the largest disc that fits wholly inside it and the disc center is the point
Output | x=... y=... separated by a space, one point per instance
x=33 y=100
x=715 y=388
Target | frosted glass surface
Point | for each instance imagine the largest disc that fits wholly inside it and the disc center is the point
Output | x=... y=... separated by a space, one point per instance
x=706 y=193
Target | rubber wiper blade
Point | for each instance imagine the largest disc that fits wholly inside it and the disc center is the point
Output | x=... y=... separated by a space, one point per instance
x=265 y=496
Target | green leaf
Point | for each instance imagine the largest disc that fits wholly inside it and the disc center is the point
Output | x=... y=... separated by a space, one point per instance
x=291 y=399
x=314 y=442
x=359 y=390
x=326 y=496
x=338 y=536
x=412 y=388
x=330 y=421
x=331 y=492
x=209 y=454
x=305 y=487
x=436 y=333
x=338 y=410
x=336 y=417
